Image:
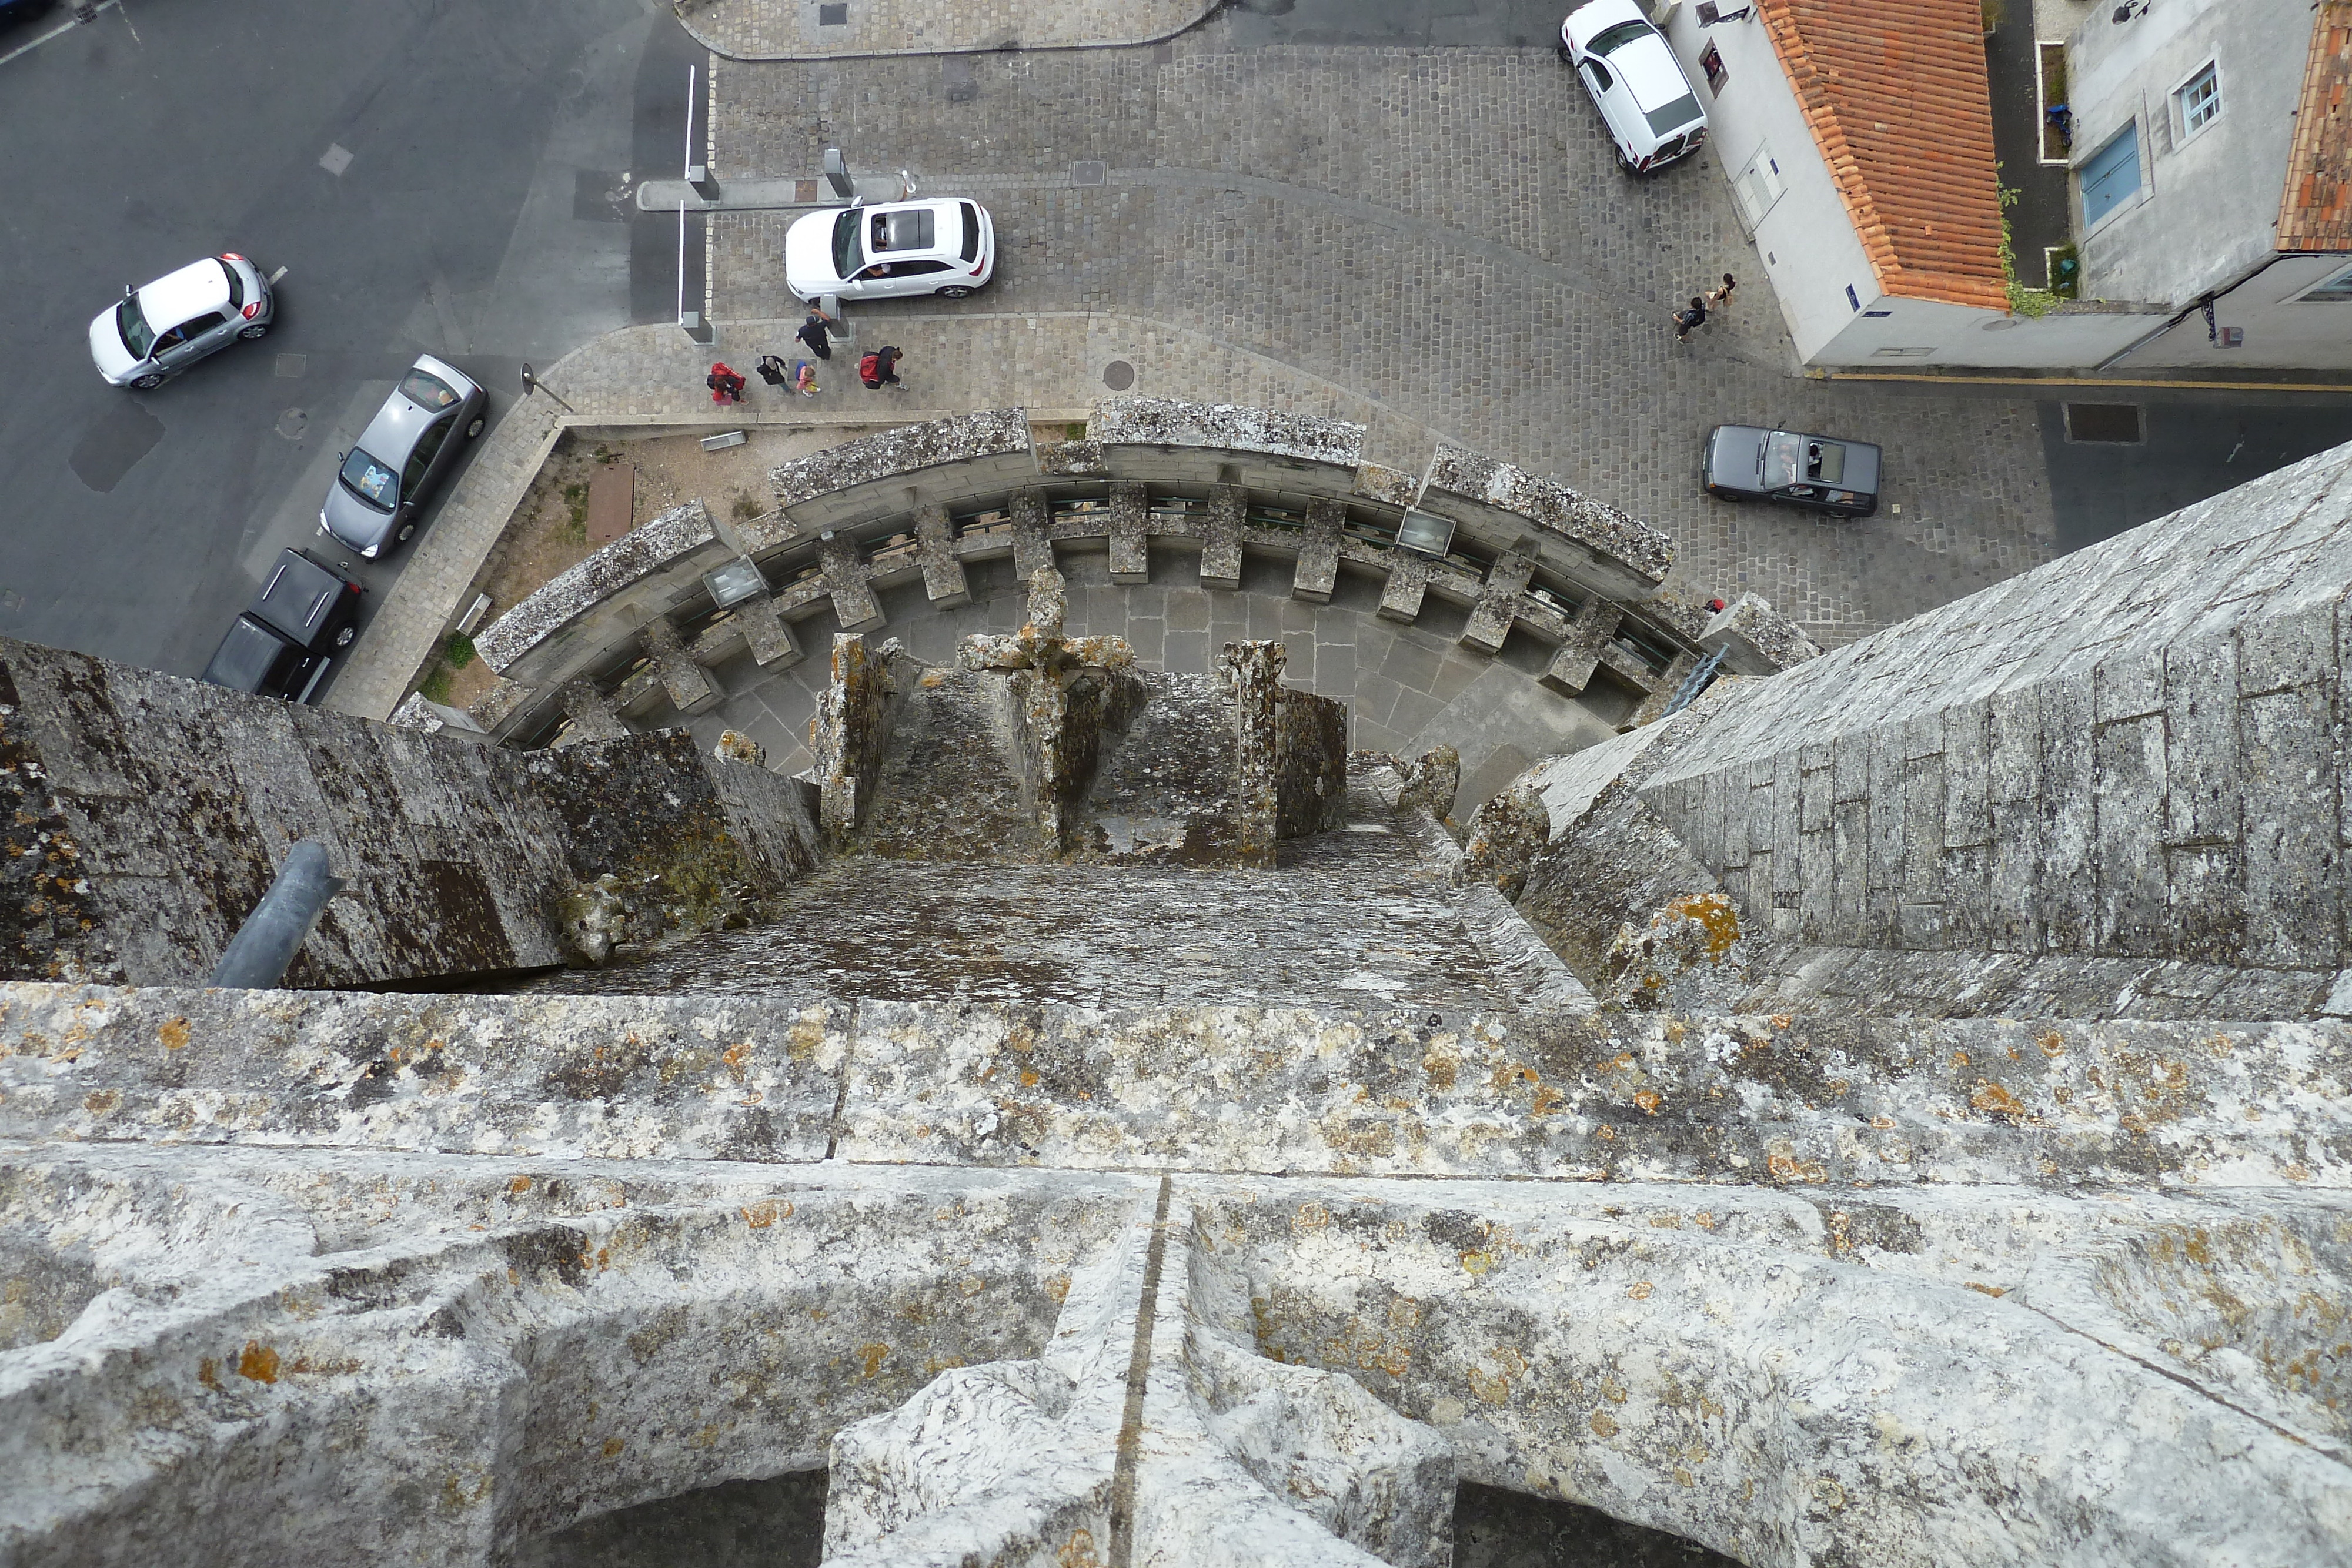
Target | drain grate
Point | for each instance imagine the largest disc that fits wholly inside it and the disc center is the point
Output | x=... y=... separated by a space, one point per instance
x=833 y=16
x=2105 y=423
x=1089 y=171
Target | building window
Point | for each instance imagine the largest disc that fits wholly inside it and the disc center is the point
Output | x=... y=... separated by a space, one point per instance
x=2197 y=102
x=1710 y=60
x=1757 y=187
x=2335 y=289
x=2111 y=175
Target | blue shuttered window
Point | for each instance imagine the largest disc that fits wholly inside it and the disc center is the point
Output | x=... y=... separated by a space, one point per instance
x=2111 y=176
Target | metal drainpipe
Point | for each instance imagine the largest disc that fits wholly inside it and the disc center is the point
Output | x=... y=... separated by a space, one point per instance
x=2204 y=301
x=259 y=955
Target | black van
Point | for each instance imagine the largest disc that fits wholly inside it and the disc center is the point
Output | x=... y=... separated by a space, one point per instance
x=1743 y=462
x=284 y=643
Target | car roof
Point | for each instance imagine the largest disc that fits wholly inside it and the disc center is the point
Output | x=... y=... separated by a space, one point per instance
x=199 y=286
x=1649 y=69
x=1588 y=19
x=289 y=600
x=245 y=657
x=393 y=433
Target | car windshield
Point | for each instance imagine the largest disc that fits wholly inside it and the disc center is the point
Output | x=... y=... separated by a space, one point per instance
x=369 y=480
x=1674 y=116
x=1784 y=459
x=137 y=336
x=1617 y=38
x=845 y=244
x=1825 y=461
x=426 y=389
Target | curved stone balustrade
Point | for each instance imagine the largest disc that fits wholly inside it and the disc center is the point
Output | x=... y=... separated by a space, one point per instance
x=638 y=621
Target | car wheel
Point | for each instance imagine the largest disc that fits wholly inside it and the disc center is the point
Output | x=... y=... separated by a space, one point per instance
x=258 y=329
x=148 y=384
x=956 y=291
x=1566 y=57
x=475 y=428
x=405 y=529
x=343 y=638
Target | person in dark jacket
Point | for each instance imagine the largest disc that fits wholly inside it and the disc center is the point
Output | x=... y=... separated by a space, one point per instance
x=725 y=385
x=1688 y=321
x=880 y=368
x=813 y=332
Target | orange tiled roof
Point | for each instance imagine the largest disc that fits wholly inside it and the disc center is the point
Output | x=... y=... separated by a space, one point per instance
x=2316 y=211
x=1896 y=93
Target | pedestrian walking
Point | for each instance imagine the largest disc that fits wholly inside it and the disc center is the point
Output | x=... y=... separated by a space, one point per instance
x=813 y=332
x=725 y=385
x=1688 y=321
x=772 y=371
x=880 y=369
x=805 y=378
x=1717 y=299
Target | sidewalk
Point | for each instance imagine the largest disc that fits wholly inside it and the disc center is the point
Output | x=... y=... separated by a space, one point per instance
x=1052 y=364
x=813 y=30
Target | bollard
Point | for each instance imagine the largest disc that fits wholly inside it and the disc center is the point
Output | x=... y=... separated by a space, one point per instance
x=836 y=174
x=258 y=955
x=695 y=328
x=705 y=185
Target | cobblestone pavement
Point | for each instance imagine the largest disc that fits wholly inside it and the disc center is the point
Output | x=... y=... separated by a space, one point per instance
x=1438 y=236
x=812 y=29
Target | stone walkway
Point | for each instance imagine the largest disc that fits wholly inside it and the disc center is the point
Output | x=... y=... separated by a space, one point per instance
x=813 y=29
x=1436 y=237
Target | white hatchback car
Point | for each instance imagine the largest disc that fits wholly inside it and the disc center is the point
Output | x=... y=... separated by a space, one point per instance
x=945 y=247
x=1652 y=113
x=160 y=330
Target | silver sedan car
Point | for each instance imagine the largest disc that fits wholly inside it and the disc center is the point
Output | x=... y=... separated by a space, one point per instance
x=183 y=317
x=403 y=456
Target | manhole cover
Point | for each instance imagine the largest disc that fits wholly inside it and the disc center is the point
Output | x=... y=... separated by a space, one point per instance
x=1089 y=171
x=833 y=16
x=1118 y=375
x=292 y=424
x=291 y=366
x=2111 y=423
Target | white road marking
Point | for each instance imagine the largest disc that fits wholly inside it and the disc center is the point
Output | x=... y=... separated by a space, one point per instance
x=58 y=31
x=335 y=159
x=277 y=274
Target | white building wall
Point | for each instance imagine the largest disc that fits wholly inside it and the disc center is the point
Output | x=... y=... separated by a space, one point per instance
x=2207 y=210
x=2282 y=332
x=1806 y=241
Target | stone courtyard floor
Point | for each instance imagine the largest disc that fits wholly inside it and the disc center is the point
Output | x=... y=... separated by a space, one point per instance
x=1432 y=241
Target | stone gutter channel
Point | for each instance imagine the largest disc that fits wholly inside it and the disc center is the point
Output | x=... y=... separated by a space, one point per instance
x=814 y=30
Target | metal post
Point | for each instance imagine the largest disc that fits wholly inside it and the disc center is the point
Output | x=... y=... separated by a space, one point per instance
x=259 y=955
x=836 y=174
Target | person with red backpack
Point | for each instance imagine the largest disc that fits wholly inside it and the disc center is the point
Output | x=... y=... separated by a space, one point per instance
x=880 y=369
x=725 y=385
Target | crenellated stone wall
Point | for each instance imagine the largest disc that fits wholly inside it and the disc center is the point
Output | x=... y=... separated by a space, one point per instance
x=152 y=812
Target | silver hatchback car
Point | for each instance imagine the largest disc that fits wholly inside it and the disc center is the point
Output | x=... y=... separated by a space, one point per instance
x=401 y=457
x=183 y=317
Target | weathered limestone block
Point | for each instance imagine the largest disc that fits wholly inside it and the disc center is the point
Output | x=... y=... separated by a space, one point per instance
x=851 y=727
x=1310 y=763
x=1251 y=673
x=1431 y=783
x=767 y=634
x=1498 y=603
x=1031 y=549
x=1064 y=701
x=493 y=708
x=1221 y=541
x=1388 y=487
x=1071 y=460
x=1319 y=552
x=1755 y=639
x=1408 y=583
x=689 y=690
x=1573 y=662
x=841 y=486
x=1149 y=1431
x=943 y=579
x=1130 y=552
x=418 y=713
x=1162 y=439
x=734 y=746
x=601 y=601
x=846 y=579
x=590 y=715
x=1620 y=555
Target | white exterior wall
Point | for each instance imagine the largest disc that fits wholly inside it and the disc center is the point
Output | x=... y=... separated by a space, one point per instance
x=2281 y=331
x=1806 y=243
x=2207 y=210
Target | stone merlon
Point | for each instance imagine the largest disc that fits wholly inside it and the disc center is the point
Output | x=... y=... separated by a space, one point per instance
x=1625 y=557
x=666 y=552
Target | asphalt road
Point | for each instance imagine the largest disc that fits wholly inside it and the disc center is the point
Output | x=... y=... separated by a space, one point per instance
x=480 y=216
